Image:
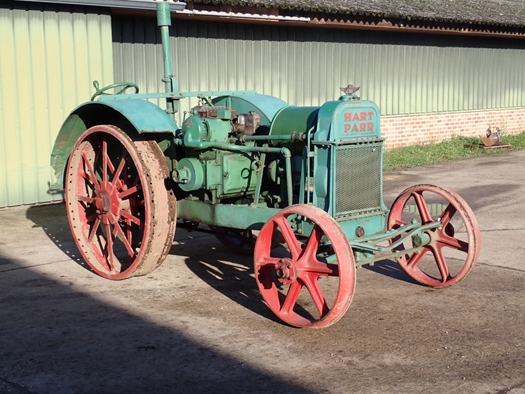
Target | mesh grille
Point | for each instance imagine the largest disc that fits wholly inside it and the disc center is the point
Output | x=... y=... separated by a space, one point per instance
x=358 y=178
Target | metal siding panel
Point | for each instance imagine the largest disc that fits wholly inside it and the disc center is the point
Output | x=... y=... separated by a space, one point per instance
x=20 y=148
x=39 y=141
x=404 y=73
x=10 y=179
x=51 y=59
x=504 y=86
x=429 y=77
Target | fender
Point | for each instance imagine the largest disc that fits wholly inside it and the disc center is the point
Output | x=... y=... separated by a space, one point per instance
x=133 y=116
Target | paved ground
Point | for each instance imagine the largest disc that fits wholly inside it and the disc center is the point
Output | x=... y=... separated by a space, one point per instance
x=198 y=325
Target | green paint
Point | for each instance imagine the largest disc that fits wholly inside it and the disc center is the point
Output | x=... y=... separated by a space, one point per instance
x=225 y=215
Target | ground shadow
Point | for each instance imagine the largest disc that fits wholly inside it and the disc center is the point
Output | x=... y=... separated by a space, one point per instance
x=55 y=338
x=391 y=269
x=229 y=273
x=222 y=270
x=52 y=218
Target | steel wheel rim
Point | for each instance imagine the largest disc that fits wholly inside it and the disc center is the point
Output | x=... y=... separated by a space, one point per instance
x=113 y=200
x=301 y=272
x=442 y=239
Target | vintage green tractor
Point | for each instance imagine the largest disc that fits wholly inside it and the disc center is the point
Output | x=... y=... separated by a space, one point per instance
x=299 y=187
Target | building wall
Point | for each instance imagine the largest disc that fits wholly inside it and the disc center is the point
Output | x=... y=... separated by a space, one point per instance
x=427 y=128
x=49 y=57
x=405 y=74
x=427 y=86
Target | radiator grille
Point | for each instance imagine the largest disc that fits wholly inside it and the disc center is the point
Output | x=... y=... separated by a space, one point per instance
x=358 y=178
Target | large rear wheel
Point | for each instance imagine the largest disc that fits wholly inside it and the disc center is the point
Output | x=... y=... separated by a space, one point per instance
x=122 y=215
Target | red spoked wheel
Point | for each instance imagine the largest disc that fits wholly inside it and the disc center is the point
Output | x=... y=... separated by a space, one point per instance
x=307 y=281
x=448 y=251
x=239 y=241
x=121 y=214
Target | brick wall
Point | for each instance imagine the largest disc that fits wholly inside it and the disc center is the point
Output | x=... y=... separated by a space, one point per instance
x=428 y=128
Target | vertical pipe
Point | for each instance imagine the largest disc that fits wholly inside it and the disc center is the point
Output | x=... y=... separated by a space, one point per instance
x=170 y=83
x=288 y=168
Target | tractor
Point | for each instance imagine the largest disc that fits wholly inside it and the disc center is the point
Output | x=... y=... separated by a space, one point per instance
x=299 y=188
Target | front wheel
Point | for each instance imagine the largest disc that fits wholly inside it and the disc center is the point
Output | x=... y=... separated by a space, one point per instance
x=447 y=252
x=121 y=214
x=308 y=281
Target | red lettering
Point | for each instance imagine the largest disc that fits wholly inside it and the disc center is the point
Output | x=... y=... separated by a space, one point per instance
x=370 y=115
x=371 y=126
x=362 y=126
x=355 y=128
x=363 y=116
x=348 y=116
x=347 y=127
x=356 y=116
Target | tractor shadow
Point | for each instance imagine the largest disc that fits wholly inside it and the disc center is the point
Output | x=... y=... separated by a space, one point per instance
x=52 y=218
x=229 y=273
x=390 y=269
x=56 y=345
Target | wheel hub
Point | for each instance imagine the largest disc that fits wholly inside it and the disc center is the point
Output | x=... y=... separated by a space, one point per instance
x=422 y=239
x=285 y=271
x=104 y=203
x=107 y=203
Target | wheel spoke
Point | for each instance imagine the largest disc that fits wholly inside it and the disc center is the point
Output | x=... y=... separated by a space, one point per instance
x=414 y=260
x=267 y=261
x=289 y=236
x=111 y=167
x=109 y=247
x=124 y=240
x=310 y=251
x=312 y=284
x=398 y=223
x=291 y=297
x=91 y=172
x=104 y=160
x=129 y=216
x=441 y=263
x=93 y=230
x=89 y=200
x=447 y=214
x=118 y=172
x=321 y=269
x=126 y=193
x=426 y=217
x=91 y=218
x=454 y=243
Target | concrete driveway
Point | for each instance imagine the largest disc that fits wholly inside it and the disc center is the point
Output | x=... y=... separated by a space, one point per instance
x=197 y=324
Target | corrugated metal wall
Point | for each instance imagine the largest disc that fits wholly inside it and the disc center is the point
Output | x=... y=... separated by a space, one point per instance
x=51 y=54
x=49 y=58
x=403 y=73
